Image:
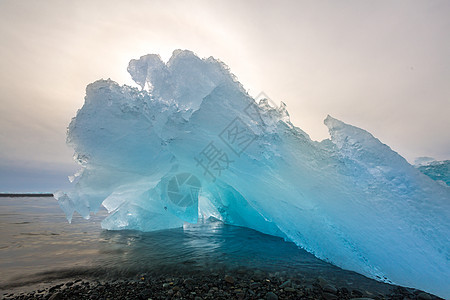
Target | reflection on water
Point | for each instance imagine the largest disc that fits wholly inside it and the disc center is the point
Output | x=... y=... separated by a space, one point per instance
x=37 y=243
x=202 y=246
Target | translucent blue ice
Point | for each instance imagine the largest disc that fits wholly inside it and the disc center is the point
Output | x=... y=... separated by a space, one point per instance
x=437 y=170
x=193 y=144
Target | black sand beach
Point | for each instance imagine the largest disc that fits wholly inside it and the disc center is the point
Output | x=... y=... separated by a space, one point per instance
x=232 y=284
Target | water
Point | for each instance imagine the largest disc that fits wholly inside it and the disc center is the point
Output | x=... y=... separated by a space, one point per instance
x=37 y=245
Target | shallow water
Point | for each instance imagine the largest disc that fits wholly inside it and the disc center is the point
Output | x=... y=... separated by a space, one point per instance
x=37 y=244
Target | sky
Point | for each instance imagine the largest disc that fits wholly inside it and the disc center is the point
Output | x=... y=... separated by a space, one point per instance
x=380 y=65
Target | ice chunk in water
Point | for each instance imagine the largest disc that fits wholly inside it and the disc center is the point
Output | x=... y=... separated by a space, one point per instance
x=193 y=143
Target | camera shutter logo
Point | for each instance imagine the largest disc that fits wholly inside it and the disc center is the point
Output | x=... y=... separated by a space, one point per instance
x=182 y=189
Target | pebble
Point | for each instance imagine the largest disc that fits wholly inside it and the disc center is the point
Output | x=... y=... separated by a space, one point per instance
x=56 y=296
x=329 y=296
x=322 y=282
x=271 y=296
x=70 y=283
x=285 y=284
x=229 y=279
x=330 y=289
x=424 y=296
x=357 y=293
x=255 y=285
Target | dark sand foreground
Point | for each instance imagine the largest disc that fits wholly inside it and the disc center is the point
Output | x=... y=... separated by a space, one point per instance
x=236 y=284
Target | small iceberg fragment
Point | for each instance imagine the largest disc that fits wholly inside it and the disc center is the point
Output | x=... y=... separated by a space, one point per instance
x=436 y=170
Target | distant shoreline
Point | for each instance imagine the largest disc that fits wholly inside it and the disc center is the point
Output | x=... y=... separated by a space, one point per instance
x=26 y=195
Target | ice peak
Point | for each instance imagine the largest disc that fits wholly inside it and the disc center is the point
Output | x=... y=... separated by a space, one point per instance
x=180 y=54
x=332 y=123
x=185 y=78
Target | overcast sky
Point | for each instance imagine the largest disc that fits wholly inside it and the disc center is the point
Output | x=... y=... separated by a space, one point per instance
x=380 y=65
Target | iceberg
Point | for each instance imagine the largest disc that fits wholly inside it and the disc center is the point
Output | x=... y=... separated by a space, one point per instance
x=436 y=170
x=191 y=144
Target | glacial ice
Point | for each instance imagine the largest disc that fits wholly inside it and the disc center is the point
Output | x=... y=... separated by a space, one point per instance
x=193 y=144
x=436 y=170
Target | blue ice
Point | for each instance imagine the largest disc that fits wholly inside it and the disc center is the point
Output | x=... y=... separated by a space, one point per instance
x=191 y=143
